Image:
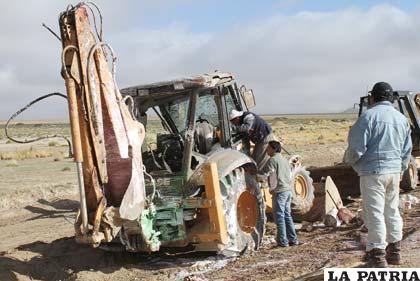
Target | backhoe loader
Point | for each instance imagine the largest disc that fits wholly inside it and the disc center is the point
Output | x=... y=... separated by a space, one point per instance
x=188 y=185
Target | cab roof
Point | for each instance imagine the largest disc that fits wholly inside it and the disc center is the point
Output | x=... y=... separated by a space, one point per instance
x=174 y=88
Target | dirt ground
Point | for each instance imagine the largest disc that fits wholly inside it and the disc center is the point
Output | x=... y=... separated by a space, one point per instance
x=38 y=200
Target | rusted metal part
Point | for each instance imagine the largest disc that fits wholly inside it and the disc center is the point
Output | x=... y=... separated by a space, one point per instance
x=73 y=111
x=98 y=215
x=171 y=88
x=116 y=157
x=71 y=67
x=85 y=41
x=111 y=140
x=226 y=160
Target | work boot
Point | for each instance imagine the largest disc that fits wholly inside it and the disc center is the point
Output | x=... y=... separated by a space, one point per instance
x=393 y=253
x=376 y=258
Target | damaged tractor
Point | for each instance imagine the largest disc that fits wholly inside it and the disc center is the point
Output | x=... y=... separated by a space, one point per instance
x=186 y=183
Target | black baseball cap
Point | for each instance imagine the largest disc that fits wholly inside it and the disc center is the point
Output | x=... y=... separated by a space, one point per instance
x=381 y=89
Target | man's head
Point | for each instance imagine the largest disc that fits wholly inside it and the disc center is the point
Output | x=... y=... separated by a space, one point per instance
x=382 y=91
x=273 y=147
x=235 y=117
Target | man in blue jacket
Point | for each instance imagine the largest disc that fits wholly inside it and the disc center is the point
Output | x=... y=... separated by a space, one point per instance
x=379 y=149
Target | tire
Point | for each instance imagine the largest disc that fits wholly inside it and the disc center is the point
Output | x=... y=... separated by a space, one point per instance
x=244 y=212
x=302 y=193
x=410 y=176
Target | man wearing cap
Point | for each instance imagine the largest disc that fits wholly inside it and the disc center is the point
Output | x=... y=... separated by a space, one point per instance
x=257 y=130
x=379 y=149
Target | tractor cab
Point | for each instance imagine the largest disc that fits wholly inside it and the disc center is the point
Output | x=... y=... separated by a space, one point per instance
x=187 y=120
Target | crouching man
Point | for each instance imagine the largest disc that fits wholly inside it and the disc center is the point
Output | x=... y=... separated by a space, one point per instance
x=379 y=149
x=279 y=175
x=257 y=130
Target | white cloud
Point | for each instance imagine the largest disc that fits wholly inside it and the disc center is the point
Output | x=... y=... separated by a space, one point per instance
x=307 y=62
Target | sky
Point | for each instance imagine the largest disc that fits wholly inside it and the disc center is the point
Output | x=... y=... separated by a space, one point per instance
x=299 y=56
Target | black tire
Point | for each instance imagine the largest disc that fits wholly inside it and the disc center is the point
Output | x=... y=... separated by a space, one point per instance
x=242 y=235
x=302 y=193
x=410 y=176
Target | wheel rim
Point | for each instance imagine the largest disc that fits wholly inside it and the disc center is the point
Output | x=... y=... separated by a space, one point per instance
x=247 y=212
x=301 y=186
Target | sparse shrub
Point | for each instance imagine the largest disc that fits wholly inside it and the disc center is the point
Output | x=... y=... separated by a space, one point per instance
x=8 y=141
x=301 y=129
x=12 y=163
x=57 y=159
x=19 y=124
x=24 y=154
x=52 y=143
x=280 y=119
x=66 y=169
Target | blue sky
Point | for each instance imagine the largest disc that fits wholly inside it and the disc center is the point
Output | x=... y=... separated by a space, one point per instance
x=213 y=16
x=299 y=56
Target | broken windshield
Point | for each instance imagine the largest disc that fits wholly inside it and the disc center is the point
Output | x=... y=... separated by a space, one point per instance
x=178 y=110
x=207 y=109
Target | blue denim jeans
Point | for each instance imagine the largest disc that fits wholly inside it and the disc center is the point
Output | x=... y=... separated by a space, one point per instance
x=286 y=232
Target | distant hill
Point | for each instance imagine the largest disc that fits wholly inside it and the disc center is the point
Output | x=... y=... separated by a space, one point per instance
x=351 y=111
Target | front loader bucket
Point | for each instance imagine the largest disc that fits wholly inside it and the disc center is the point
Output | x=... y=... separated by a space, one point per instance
x=327 y=197
x=343 y=175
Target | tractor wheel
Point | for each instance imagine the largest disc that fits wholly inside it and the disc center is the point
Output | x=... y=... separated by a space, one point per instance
x=244 y=212
x=410 y=176
x=302 y=192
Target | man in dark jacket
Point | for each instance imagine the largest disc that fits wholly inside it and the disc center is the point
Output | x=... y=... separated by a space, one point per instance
x=257 y=130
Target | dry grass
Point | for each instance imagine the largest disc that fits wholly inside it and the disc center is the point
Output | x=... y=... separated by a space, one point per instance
x=292 y=129
x=52 y=143
x=29 y=130
x=300 y=131
x=25 y=154
x=12 y=163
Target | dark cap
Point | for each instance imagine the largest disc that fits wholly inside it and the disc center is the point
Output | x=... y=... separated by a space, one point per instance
x=382 y=89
